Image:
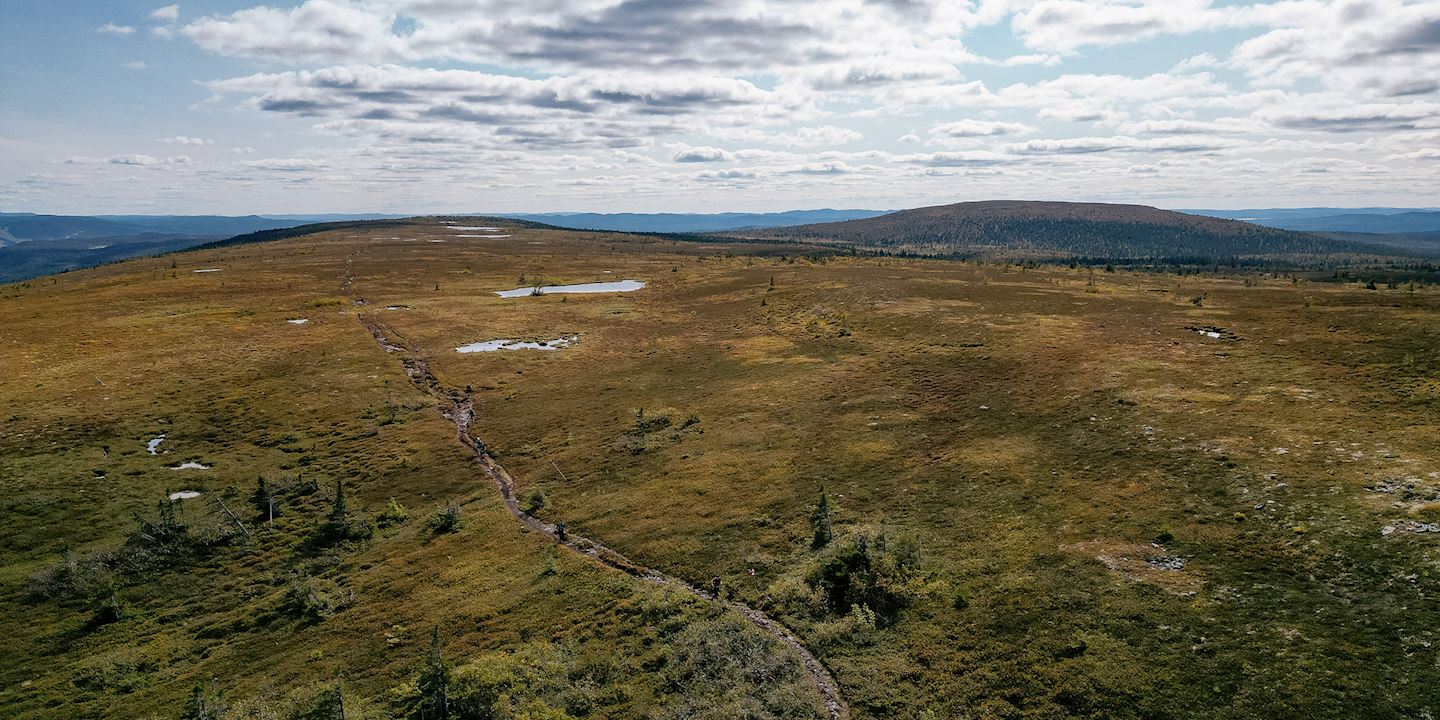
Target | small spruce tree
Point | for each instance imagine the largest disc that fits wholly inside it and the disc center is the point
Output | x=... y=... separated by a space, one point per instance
x=204 y=704
x=820 y=522
x=267 y=506
x=434 y=684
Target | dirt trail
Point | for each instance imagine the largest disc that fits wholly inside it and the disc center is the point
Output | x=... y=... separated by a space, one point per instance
x=457 y=407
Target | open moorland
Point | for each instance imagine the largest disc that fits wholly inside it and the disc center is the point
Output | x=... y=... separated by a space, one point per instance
x=923 y=488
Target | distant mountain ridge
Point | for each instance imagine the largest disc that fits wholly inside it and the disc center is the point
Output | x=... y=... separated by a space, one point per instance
x=1378 y=220
x=1406 y=222
x=1030 y=229
x=21 y=227
x=693 y=222
x=32 y=244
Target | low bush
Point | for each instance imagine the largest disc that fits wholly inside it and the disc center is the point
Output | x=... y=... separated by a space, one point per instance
x=445 y=520
x=873 y=570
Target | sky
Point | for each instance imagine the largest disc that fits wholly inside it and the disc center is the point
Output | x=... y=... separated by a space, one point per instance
x=419 y=106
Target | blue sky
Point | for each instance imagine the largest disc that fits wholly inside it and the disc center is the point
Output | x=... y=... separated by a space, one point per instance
x=652 y=105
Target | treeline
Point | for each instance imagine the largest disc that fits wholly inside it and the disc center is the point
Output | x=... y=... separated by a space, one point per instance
x=1112 y=240
x=1114 y=233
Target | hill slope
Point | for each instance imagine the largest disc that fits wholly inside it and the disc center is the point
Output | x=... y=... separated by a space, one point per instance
x=268 y=470
x=1018 y=229
x=695 y=222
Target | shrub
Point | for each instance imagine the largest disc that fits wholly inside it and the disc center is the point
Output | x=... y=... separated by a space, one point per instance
x=204 y=704
x=77 y=577
x=327 y=704
x=535 y=501
x=342 y=524
x=532 y=683
x=651 y=430
x=873 y=570
x=856 y=628
x=393 y=514
x=445 y=520
x=314 y=599
x=724 y=668
x=166 y=542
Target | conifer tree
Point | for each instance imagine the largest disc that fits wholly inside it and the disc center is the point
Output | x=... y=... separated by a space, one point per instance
x=820 y=522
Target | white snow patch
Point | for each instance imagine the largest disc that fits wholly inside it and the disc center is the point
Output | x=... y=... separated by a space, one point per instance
x=598 y=287
x=298 y=321
x=474 y=227
x=190 y=466
x=153 y=444
x=207 y=270
x=495 y=345
x=184 y=495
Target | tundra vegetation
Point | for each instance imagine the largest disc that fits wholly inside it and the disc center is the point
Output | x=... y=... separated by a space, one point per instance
x=972 y=490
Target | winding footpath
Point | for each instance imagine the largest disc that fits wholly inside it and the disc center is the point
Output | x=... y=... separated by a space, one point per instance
x=457 y=407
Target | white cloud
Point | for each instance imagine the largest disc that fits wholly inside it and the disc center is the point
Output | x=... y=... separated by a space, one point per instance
x=318 y=30
x=979 y=128
x=113 y=29
x=700 y=154
x=285 y=165
x=805 y=136
x=183 y=140
x=135 y=65
x=727 y=175
x=1345 y=117
x=1034 y=59
x=131 y=159
x=1068 y=25
x=1387 y=46
x=822 y=168
x=1202 y=61
x=975 y=158
x=1118 y=143
x=403 y=104
x=169 y=13
x=1220 y=126
x=1421 y=154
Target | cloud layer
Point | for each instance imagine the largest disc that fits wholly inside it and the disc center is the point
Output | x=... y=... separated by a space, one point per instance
x=568 y=104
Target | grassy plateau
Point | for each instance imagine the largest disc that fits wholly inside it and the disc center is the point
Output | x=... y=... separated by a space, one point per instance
x=970 y=490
